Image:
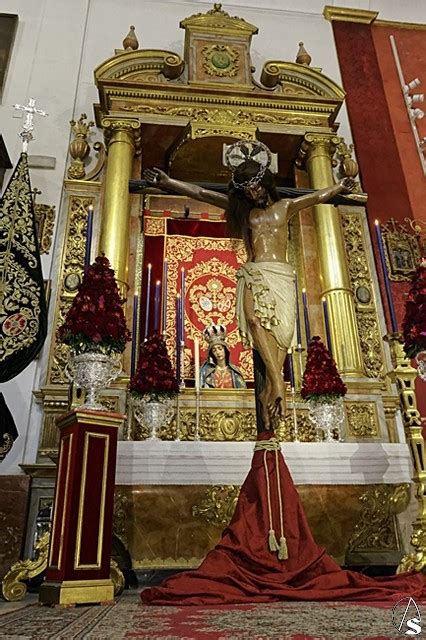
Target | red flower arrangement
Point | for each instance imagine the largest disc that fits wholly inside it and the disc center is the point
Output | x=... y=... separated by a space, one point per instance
x=154 y=375
x=95 y=321
x=321 y=380
x=414 y=326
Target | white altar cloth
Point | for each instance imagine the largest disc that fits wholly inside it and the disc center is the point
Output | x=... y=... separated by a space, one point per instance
x=156 y=462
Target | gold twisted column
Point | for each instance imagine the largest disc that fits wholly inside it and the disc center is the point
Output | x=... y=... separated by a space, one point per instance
x=404 y=375
x=317 y=151
x=122 y=138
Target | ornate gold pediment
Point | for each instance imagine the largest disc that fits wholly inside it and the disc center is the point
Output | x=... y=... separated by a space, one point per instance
x=299 y=79
x=149 y=65
x=218 y=20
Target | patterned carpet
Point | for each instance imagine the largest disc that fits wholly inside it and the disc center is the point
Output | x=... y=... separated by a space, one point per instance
x=127 y=618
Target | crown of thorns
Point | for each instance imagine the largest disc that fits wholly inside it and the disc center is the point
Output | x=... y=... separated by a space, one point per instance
x=242 y=151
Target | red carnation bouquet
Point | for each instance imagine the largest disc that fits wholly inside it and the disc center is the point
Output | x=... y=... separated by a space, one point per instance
x=154 y=375
x=321 y=380
x=414 y=326
x=95 y=321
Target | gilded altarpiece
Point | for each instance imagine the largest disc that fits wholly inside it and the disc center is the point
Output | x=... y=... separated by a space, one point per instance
x=158 y=109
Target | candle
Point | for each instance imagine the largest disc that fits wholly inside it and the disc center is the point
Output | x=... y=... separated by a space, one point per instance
x=298 y=328
x=327 y=325
x=89 y=233
x=197 y=363
x=148 y=295
x=178 y=328
x=134 y=334
x=306 y=315
x=157 y=298
x=182 y=302
x=388 y=290
x=164 y=305
x=290 y=367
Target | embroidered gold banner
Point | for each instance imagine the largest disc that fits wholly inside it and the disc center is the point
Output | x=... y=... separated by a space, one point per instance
x=23 y=314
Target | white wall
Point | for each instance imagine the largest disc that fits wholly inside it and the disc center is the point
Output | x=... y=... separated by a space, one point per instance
x=58 y=45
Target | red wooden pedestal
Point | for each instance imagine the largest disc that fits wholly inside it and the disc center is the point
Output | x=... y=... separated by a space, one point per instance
x=81 y=538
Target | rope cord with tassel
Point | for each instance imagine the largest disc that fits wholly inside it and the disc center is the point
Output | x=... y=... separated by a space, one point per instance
x=265 y=446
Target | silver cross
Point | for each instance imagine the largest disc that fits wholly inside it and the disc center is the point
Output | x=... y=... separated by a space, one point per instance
x=26 y=134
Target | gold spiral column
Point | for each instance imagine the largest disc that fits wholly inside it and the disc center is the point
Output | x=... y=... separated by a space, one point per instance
x=122 y=138
x=317 y=151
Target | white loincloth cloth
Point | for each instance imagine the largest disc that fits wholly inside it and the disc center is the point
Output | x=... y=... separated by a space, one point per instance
x=272 y=287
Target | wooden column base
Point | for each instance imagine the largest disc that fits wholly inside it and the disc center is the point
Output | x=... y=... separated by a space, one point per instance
x=76 y=592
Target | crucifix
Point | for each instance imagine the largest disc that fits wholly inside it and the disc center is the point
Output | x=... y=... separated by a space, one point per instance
x=26 y=133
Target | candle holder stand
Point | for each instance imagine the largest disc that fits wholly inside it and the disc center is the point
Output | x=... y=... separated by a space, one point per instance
x=404 y=375
x=295 y=426
x=182 y=366
x=177 y=436
x=197 y=415
x=299 y=366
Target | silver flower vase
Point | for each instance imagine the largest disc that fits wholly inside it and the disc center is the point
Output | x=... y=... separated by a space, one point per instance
x=92 y=371
x=328 y=417
x=152 y=413
x=421 y=364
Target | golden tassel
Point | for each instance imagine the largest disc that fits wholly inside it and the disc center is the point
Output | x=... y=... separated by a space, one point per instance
x=273 y=544
x=283 y=551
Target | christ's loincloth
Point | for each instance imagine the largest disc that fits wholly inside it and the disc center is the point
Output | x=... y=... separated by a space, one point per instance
x=272 y=287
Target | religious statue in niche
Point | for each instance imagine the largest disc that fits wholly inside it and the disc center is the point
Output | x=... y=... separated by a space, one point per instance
x=218 y=372
x=265 y=286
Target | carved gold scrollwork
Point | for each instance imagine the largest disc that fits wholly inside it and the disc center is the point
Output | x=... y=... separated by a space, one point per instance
x=306 y=431
x=72 y=275
x=217 y=425
x=218 y=505
x=117 y=578
x=12 y=587
x=376 y=529
x=362 y=419
x=415 y=561
x=45 y=219
x=404 y=375
x=360 y=276
x=121 y=503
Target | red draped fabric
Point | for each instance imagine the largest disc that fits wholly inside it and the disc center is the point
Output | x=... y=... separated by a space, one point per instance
x=242 y=569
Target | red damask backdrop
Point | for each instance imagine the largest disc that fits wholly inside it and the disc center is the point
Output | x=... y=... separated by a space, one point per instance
x=210 y=260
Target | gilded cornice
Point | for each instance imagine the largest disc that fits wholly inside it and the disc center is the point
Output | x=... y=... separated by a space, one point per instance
x=179 y=105
x=345 y=14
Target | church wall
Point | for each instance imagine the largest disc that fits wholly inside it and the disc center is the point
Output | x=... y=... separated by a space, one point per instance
x=57 y=47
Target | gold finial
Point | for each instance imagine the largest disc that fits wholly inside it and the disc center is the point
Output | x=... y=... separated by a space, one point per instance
x=81 y=128
x=303 y=56
x=131 y=41
x=79 y=147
